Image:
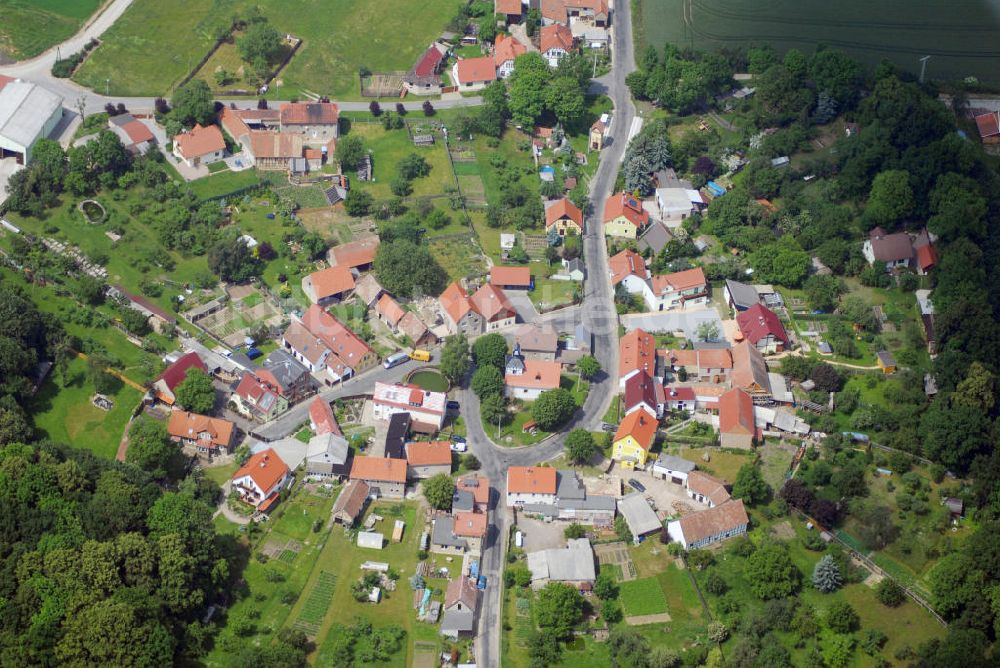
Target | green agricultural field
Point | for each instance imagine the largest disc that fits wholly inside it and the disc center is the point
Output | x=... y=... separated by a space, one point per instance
x=961 y=38
x=157 y=43
x=28 y=27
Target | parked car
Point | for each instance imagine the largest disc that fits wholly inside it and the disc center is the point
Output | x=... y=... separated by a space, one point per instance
x=636 y=485
x=455 y=438
x=453 y=405
x=481 y=584
x=608 y=427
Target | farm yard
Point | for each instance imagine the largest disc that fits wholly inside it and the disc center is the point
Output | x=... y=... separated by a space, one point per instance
x=327 y=63
x=961 y=38
x=28 y=27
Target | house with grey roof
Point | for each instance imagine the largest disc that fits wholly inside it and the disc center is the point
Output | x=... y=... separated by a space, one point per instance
x=443 y=537
x=572 y=565
x=328 y=456
x=740 y=296
x=292 y=377
x=674 y=469
x=655 y=238
x=461 y=600
x=641 y=519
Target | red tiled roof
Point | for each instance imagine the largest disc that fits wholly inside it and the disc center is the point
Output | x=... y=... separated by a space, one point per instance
x=4 y=80
x=470 y=525
x=640 y=425
x=555 y=36
x=351 y=499
x=709 y=358
x=531 y=480
x=177 y=371
x=429 y=63
x=926 y=257
x=623 y=204
x=354 y=254
x=331 y=281
x=455 y=302
x=434 y=453
x=640 y=388
x=389 y=309
x=538 y=374
x=138 y=132
x=183 y=424
x=265 y=468
x=749 y=367
x=736 y=413
x=309 y=113
x=509 y=7
x=758 y=321
x=680 y=280
x=507 y=48
x=201 y=140
x=679 y=393
x=342 y=342
x=711 y=522
x=232 y=121
x=712 y=488
x=637 y=351
x=626 y=263
x=490 y=301
x=476 y=485
x=267 y=144
x=322 y=416
x=474 y=70
x=563 y=208
x=517 y=276
x=251 y=388
x=378 y=469
x=988 y=124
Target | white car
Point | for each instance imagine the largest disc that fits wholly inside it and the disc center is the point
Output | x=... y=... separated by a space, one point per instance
x=459 y=447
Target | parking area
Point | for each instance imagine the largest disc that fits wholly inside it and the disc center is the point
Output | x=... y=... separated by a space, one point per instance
x=668 y=498
x=685 y=322
x=541 y=535
x=521 y=302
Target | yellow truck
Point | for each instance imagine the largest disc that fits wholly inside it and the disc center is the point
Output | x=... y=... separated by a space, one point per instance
x=421 y=355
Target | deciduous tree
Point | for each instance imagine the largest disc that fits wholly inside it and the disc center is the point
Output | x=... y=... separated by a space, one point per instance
x=439 y=490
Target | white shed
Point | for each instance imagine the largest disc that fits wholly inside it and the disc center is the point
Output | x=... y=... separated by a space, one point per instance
x=371 y=539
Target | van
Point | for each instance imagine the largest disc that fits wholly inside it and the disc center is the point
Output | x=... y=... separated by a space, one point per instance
x=395 y=360
x=421 y=355
x=519 y=539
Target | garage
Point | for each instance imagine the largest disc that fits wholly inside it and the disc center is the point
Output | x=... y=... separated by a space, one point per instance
x=28 y=113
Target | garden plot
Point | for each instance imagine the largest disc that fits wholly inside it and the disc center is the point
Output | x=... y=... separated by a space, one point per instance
x=233 y=323
x=317 y=604
x=616 y=554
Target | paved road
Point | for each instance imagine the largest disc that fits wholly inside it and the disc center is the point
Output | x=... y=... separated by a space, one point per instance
x=597 y=313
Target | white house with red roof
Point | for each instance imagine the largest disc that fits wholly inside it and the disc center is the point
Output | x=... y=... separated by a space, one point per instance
x=260 y=479
x=173 y=375
x=531 y=485
x=424 y=406
x=505 y=52
x=555 y=42
x=474 y=73
x=679 y=290
x=425 y=76
x=761 y=327
x=680 y=398
x=201 y=145
x=256 y=400
x=532 y=377
x=642 y=391
x=326 y=346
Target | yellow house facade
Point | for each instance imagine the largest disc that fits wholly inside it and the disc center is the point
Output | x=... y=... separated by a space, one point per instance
x=624 y=216
x=634 y=439
x=621 y=227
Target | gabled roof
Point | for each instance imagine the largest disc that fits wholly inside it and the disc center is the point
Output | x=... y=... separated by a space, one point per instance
x=563 y=208
x=265 y=468
x=474 y=70
x=190 y=426
x=926 y=257
x=455 y=302
x=177 y=372
x=368 y=289
x=409 y=396
x=201 y=140
x=713 y=489
x=344 y=344
x=476 y=485
x=640 y=389
x=700 y=358
x=679 y=393
x=623 y=204
x=429 y=62
x=626 y=263
x=517 y=276
x=537 y=337
x=641 y=519
x=252 y=389
x=283 y=145
x=137 y=131
x=743 y=295
x=749 y=367
x=282 y=370
x=321 y=414
x=233 y=122
x=462 y=590
x=641 y=426
x=507 y=48
x=637 y=352
x=555 y=36
x=679 y=281
x=307 y=344
x=758 y=321
x=379 y=469
x=537 y=374
x=531 y=480
x=309 y=113
x=988 y=124
x=470 y=525
x=412 y=326
x=490 y=301
x=890 y=247
x=719 y=519
x=389 y=309
x=351 y=499
x=736 y=413
x=354 y=254
x=433 y=453
x=331 y=281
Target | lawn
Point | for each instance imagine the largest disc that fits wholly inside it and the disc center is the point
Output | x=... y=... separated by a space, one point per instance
x=223 y=183
x=28 y=27
x=389 y=147
x=550 y=294
x=723 y=464
x=642 y=597
x=338 y=40
x=221 y=474
x=65 y=414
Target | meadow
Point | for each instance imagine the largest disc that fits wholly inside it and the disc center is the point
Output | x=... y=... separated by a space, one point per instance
x=28 y=27
x=961 y=38
x=156 y=43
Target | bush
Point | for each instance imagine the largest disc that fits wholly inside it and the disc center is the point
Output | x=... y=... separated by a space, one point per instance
x=889 y=593
x=842 y=618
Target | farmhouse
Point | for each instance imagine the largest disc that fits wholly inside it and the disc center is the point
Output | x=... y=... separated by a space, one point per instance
x=164 y=386
x=574 y=504
x=474 y=73
x=531 y=485
x=328 y=286
x=703 y=488
x=537 y=341
x=423 y=406
x=674 y=469
x=425 y=77
x=412 y=326
x=427 y=459
x=750 y=372
x=461 y=600
x=358 y=255
x=634 y=439
x=697 y=530
x=459 y=533
x=761 y=327
x=636 y=352
x=641 y=519
x=488 y=309
x=317 y=122
x=555 y=42
x=385 y=477
x=28 y=113
x=624 y=216
x=389 y=311
x=736 y=421
x=350 y=502
x=740 y=296
x=572 y=565
x=260 y=479
x=708 y=364
x=506 y=50
x=890 y=250
x=202 y=145
x=274 y=151
x=511 y=278
x=367 y=289
x=528 y=380
x=643 y=392
x=320 y=341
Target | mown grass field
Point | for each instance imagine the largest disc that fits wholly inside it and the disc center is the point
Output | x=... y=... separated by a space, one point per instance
x=157 y=42
x=643 y=597
x=28 y=27
x=962 y=38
